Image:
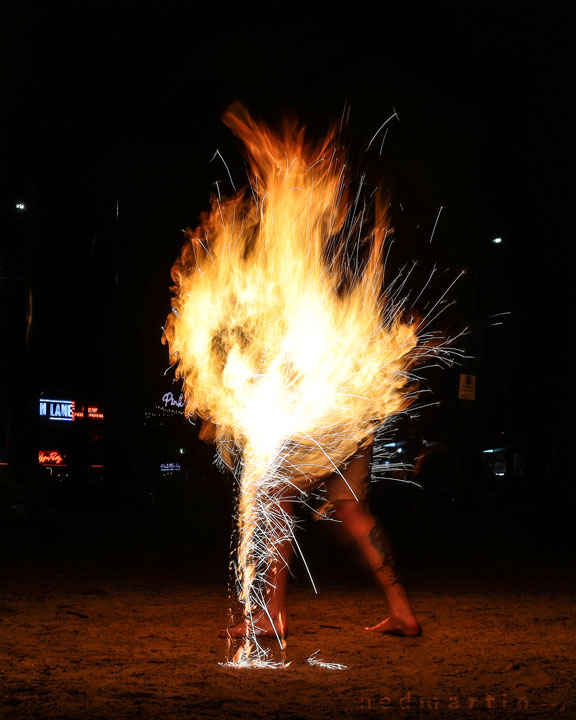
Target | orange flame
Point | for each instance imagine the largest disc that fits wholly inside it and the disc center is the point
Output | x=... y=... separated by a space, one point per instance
x=268 y=344
x=289 y=349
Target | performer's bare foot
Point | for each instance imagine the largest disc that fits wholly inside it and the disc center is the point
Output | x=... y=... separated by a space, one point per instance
x=409 y=627
x=261 y=627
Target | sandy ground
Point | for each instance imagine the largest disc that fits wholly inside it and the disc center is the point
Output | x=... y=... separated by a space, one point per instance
x=130 y=637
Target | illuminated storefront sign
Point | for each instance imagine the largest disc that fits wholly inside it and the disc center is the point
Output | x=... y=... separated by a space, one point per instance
x=50 y=457
x=170 y=401
x=92 y=411
x=57 y=409
x=95 y=413
x=170 y=467
x=66 y=410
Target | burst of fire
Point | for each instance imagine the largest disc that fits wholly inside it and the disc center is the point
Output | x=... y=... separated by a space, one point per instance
x=285 y=339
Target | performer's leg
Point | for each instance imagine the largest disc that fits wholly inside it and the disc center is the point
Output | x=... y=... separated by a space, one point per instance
x=279 y=574
x=273 y=620
x=375 y=545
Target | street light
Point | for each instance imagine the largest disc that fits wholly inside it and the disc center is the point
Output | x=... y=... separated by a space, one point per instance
x=496 y=241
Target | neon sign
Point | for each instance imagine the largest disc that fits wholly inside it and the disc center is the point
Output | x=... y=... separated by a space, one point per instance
x=50 y=457
x=170 y=467
x=93 y=412
x=66 y=410
x=169 y=400
x=57 y=409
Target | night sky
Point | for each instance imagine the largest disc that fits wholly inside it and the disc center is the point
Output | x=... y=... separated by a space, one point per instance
x=110 y=115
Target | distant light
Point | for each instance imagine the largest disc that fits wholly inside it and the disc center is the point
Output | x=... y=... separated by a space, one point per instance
x=497 y=241
x=20 y=206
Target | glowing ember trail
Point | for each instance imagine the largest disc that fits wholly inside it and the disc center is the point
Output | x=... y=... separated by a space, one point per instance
x=285 y=338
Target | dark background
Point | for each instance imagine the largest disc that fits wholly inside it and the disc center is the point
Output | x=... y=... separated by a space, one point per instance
x=110 y=115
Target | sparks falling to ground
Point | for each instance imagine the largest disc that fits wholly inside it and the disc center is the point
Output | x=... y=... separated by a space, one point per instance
x=287 y=339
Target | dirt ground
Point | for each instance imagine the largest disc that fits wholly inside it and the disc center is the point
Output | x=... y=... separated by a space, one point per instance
x=96 y=634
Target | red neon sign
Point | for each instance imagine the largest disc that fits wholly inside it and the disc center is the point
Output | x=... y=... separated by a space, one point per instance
x=96 y=413
x=93 y=412
x=50 y=457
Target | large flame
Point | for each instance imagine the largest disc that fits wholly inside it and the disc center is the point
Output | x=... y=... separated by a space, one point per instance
x=284 y=339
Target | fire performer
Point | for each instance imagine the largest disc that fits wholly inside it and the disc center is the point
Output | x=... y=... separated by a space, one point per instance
x=347 y=492
x=271 y=291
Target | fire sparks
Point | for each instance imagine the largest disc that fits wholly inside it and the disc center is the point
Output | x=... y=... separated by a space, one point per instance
x=315 y=661
x=284 y=335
